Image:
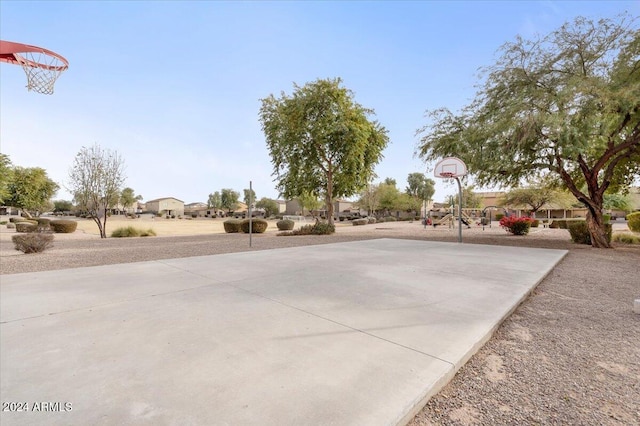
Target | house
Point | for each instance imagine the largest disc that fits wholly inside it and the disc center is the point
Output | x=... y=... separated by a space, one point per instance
x=169 y=206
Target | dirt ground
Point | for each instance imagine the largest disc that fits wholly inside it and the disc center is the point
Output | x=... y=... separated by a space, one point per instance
x=569 y=354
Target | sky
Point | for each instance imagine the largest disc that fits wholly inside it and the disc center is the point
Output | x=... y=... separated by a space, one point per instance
x=175 y=87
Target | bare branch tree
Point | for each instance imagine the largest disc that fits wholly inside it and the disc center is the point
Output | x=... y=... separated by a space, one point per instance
x=95 y=178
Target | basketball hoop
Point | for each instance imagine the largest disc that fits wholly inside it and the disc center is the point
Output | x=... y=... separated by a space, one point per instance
x=450 y=167
x=42 y=66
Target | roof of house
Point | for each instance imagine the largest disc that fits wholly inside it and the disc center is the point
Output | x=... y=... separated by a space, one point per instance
x=164 y=198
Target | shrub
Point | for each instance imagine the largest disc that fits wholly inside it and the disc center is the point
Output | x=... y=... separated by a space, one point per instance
x=16 y=219
x=389 y=219
x=371 y=219
x=626 y=238
x=606 y=218
x=285 y=225
x=499 y=216
x=319 y=228
x=358 y=222
x=559 y=223
x=3 y=222
x=11 y=225
x=25 y=226
x=258 y=226
x=633 y=221
x=63 y=226
x=130 y=231
x=33 y=242
x=580 y=232
x=516 y=225
x=232 y=226
x=535 y=223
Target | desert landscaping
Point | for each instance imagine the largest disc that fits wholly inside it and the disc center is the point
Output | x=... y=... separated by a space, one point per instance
x=567 y=355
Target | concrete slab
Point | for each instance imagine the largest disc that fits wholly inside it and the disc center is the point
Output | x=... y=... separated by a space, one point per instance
x=350 y=333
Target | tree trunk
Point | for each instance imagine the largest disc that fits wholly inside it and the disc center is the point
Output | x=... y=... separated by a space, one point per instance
x=329 y=197
x=597 y=231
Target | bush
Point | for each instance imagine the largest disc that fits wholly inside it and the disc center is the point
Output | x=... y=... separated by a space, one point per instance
x=3 y=222
x=11 y=225
x=580 y=232
x=319 y=228
x=535 y=223
x=389 y=219
x=63 y=226
x=258 y=226
x=559 y=223
x=371 y=219
x=232 y=226
x=606 y=218
x=626 y=238
x=285 y=225
x=633 y=221
x=16 y=219
x=358 y=222
x=130 y=231
x=516 y=225
x=499 y=216
x=34 y=242
x=25 y=226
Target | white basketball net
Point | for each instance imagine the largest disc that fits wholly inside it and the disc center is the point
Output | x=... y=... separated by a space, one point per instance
x=42 y=70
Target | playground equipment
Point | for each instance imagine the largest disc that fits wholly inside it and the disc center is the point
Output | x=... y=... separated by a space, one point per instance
x=42 y=66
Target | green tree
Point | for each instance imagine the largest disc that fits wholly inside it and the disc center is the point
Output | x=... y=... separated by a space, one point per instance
x=229 y=199
x=62 y=206
x=567 y=103
x=617 y=202
x=128 y=197
x=309 y=201
x=321 y=141
x=533 y=197
x=214 y=201
x=96 y=177
x=389 y=198
x=249 y=196
x=30 y=190
x=369 y=199
x=6 y=175
x=390 y=181
x=420 y=188
x=270 y=206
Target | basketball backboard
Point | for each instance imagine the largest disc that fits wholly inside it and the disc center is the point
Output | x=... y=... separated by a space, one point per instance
x=450 y=167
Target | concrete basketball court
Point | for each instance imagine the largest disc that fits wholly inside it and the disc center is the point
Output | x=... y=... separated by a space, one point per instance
x=358 y=333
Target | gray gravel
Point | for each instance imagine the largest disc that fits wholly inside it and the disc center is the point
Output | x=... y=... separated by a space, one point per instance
x=569 y=355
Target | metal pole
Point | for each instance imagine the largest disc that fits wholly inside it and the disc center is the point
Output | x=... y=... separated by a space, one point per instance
x=459 y=211
x=250 y=217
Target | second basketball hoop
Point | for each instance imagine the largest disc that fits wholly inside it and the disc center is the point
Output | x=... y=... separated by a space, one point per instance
x=450 y=167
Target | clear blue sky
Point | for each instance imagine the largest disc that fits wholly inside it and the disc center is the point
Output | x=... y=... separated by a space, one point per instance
x=175 y=87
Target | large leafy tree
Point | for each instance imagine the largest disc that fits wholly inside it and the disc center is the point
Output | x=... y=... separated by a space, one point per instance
x=96 y=177
x=249 y=196
x=566 y=105
x=30 y=189
x=270 y=206
x=420 y=187
x=321 y=141
x=6 y=175
x=309 y=201
x=229 y=199
x=534 y=198
x=214 y=201
x=128 y=197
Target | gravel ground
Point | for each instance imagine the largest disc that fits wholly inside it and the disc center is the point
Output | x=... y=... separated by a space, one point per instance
x=569 y=355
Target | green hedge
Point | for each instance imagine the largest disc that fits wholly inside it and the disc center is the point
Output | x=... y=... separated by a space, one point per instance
x=25 y=226
x=285 y=225
x=232 y=226
x=63 y=226
x=580 y=232
x=258 y=226
x=633 y=221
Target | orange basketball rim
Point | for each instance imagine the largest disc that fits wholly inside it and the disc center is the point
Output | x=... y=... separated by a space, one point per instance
x=42 y=66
